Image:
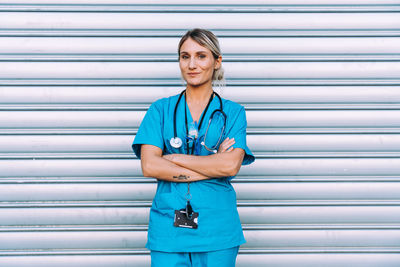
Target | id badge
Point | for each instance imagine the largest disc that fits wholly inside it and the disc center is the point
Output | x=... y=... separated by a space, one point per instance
x=182 y=220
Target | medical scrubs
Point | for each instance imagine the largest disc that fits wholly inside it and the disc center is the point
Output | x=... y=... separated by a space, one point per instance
x=218 y=258
x=219 y=226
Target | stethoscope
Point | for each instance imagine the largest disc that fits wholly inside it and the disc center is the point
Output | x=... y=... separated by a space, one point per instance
x=176 y=142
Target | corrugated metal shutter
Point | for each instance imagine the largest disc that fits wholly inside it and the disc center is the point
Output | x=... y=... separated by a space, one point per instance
x=320 y=83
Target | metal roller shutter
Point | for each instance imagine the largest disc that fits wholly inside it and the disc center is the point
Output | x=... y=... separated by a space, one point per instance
x=320 y=83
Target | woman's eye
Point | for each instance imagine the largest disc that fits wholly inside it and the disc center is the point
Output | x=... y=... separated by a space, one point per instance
x=200 y=56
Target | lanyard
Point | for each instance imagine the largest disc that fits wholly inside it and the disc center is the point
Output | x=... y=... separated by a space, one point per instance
x=201 y=122
x=188 y=195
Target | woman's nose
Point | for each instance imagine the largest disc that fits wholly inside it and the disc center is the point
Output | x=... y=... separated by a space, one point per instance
x=192 y=63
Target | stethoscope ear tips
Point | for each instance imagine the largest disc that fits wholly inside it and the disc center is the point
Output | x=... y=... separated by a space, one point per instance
x=175 y=142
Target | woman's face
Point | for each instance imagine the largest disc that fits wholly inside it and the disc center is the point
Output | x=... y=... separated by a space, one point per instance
x=197 y=63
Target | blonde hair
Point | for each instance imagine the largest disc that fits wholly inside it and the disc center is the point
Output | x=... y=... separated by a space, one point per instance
x=208 y=40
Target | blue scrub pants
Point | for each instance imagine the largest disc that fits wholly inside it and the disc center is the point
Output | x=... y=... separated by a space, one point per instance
x=218 y=258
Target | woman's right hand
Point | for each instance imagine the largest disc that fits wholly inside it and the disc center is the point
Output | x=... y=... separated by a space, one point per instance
x=226 y=145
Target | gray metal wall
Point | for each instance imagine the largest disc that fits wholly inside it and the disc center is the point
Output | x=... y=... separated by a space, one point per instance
x=320 y=83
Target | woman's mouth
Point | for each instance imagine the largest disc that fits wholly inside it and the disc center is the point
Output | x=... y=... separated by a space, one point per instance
x=193 y=73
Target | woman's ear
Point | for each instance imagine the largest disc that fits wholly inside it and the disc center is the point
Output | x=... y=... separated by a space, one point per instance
x=217 y=63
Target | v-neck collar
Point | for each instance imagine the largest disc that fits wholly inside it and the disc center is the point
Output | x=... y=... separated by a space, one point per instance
x=190 y=118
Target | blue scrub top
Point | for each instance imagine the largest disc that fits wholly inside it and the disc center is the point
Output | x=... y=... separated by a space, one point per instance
x=214 y=199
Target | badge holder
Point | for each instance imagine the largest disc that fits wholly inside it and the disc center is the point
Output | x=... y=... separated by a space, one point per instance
x=187 y=217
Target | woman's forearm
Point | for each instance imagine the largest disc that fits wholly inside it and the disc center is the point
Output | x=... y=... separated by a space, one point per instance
x=215 y=165
x=154 y=165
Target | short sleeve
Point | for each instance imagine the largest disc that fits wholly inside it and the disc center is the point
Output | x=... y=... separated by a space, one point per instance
x=150 y=130
x=238 y=131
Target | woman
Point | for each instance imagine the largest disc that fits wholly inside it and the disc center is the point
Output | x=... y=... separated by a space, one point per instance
x=193 y=218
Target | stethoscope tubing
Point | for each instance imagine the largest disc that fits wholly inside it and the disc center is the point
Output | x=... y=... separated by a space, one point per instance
x=176 y=142
x=213 y=148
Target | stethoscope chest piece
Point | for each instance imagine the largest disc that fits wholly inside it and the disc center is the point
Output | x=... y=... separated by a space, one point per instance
x=175 y=142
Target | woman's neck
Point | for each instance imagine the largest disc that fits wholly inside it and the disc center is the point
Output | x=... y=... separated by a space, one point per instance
x=198 y=95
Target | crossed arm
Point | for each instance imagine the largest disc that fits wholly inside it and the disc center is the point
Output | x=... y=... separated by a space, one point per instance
x=190 y=168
